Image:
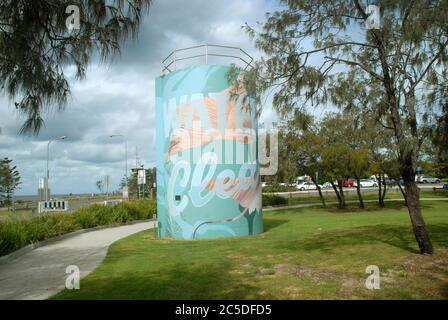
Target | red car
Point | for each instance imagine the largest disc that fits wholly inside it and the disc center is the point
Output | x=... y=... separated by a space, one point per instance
x=349 y=183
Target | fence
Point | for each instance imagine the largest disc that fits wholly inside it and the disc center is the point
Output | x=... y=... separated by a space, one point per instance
x=205 y=51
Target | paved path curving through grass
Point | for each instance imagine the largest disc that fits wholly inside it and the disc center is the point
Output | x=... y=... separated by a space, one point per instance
x=40 y=273
x=308 y=253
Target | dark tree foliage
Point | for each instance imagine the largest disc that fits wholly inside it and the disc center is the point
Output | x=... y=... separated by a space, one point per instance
x=9 y=180
x=36 y=47
x=439 y=137
x=134 y=189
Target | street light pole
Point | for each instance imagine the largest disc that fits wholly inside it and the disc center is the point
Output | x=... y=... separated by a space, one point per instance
x=126 y=160
x=125 y=156
x=48 y=160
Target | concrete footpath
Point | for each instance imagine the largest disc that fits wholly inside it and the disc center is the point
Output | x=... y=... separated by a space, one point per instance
x=40 y=273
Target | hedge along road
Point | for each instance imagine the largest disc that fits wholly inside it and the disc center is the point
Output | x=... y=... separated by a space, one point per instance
x=335 y=202
x=352 y=190
x=41 y=273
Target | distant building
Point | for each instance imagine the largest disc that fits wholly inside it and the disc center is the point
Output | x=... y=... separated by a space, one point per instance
x=41 y=190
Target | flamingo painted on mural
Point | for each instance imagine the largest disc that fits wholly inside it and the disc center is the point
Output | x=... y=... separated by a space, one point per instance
x=185 y=139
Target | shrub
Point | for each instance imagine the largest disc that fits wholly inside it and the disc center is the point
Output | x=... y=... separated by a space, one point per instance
x=17 y=233
x=12 y=236
x=101 y=214
x=142 y=209
x=278 y=188
x=64 y=223
x=120 y=213
x=274 y=200
x=85 y=217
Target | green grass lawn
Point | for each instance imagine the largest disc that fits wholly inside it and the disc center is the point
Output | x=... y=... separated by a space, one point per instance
x=308 y=253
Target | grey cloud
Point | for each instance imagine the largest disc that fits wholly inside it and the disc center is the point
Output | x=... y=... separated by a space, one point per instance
x=118 y=98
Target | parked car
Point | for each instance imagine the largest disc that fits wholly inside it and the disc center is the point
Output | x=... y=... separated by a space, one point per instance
x=327 y=185
x=367 y=183
x=349 y=183
x=445 y=186
x=428 y=179
x=285 y=185
x=307 y=186
x=390 y=182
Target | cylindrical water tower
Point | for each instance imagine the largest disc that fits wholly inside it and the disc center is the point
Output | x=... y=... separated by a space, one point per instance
x=208 y=177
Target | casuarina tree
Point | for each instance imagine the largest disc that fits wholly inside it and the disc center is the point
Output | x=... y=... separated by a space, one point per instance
x=9 y=180
x=39 y=39
x=396 y=47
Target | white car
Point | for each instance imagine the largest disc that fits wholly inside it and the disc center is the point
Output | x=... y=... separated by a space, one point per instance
x=307 y=186
x=283 y=184
x=367 y=183
x=428 y=179
x=327 y=185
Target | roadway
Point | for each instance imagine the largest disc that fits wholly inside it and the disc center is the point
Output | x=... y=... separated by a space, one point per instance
x=347 y=191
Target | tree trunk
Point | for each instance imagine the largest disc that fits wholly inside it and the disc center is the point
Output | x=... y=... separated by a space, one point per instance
x=337 y=193
x=403 y=193
x=358 y=190
x=380 y=191
x=415 y=213
x=341 y=194
x=320 y=193
x=383 y=195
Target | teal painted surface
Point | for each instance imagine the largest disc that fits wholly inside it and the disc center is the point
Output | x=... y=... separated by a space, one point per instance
x=208 y=182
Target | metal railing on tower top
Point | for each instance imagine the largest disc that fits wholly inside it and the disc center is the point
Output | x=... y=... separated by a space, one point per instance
x=205 y=51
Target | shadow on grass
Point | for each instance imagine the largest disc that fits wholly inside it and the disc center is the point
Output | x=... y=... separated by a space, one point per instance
x=181 y=281
x=397 y=236
x=269 y=224
x=355 y=208
x=371 y=207
x=445 y=290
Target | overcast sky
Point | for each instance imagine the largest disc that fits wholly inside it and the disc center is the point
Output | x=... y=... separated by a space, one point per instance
x=119 y=98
